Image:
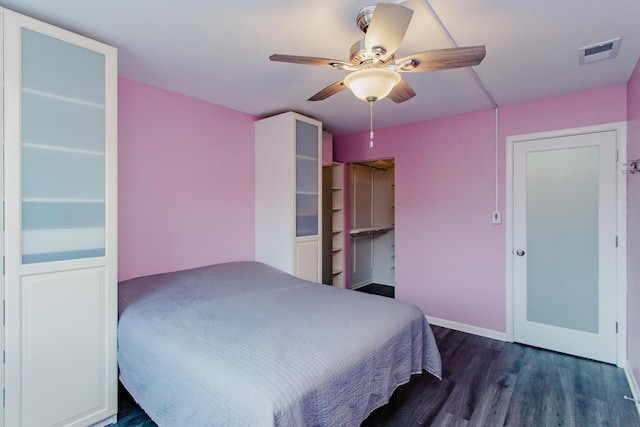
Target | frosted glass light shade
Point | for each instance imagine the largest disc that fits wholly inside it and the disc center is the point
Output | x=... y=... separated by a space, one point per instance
x=372 y=83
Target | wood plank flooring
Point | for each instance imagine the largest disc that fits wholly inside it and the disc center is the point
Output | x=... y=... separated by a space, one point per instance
x=493 y=383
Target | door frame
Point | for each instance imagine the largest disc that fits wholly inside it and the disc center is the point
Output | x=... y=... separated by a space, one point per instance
x=621 y=228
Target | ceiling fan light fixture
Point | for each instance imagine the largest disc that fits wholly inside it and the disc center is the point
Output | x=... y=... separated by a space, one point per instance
x=372 y=83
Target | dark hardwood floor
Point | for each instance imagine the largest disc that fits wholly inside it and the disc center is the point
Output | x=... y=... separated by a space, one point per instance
x=129 y=413
x=374 y=288
x=493 y=383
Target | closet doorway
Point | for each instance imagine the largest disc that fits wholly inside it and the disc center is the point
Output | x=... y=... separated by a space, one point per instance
x=371 y=226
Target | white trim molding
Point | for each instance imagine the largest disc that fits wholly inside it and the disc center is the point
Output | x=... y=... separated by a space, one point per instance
x=470 y=329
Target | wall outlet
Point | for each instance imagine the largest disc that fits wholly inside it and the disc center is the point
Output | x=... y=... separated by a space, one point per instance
x=496 y=218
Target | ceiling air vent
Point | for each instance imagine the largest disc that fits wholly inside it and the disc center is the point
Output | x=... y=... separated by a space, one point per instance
x=599 y=51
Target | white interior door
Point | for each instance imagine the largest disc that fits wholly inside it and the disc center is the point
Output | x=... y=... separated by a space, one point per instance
x=564 y=242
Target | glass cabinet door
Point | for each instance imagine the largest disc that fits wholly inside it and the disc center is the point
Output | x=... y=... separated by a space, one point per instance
x=62 y=147
x=307 y=185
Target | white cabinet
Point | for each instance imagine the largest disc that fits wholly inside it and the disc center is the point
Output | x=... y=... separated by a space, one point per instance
x=60 y=216
x=288 y=200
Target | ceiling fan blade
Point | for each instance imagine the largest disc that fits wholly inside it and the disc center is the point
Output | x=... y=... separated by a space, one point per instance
x=332 y=89
x=401 y=92
x=442 y=59
x=310 y=60
x=387 y=28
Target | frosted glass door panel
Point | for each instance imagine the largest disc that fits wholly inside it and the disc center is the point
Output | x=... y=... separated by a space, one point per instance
x=51 y=173
x=306 y=140
x=306 y=175
x=307 y=183
x=562 y=238
x=306 y=216
x=63 y=149
x=59 y=68
x=63 y=124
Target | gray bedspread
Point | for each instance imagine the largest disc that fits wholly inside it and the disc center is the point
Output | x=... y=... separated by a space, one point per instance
x=244 y=344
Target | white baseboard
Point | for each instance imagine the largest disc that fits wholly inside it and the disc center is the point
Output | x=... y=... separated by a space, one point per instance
x=488 y=333
x=633 y=385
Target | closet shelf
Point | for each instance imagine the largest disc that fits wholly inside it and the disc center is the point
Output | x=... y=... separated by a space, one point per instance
x=46 y=94
x=62 y=149
x=357 y=232
x=303 y=157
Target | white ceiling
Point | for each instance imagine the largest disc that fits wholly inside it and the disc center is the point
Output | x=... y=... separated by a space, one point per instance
x=219 y=51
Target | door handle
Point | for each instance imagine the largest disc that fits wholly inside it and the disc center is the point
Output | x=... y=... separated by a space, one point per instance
x=520 y=252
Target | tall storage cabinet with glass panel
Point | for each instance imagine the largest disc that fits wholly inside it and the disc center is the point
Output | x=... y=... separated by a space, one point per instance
x=288 y=199
x=60 y=216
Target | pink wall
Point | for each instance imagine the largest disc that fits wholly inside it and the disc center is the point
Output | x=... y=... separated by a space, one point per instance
x=186 y=182
x=327 y=149
x=450 y=258
x=633 y=225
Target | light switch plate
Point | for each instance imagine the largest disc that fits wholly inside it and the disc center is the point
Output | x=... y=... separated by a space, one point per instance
x=497 y=218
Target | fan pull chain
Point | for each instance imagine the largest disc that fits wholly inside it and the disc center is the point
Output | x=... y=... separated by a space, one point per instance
x=371 y=123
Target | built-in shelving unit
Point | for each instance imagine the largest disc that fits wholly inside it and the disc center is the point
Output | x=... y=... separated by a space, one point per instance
x=372 y=234
x=369 y=231
x=337 y=221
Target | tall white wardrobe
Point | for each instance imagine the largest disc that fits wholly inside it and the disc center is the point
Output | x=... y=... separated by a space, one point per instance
x=60 y=226
x=288 y=198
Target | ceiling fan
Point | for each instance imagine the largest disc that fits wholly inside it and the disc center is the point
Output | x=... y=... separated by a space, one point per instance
x=375 y=72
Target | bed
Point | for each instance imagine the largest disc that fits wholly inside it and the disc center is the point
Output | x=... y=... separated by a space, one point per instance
x=244 y=344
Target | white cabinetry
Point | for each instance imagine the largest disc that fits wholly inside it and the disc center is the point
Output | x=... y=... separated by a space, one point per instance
x=288 y=200
x=60 y=216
